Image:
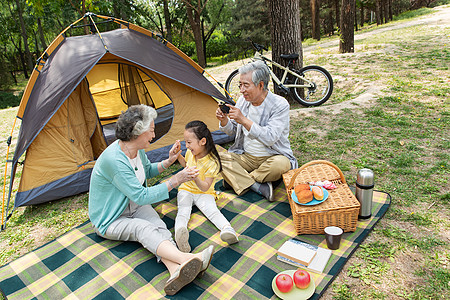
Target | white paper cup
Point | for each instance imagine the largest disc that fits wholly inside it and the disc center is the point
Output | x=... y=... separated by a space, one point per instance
x=333 y=236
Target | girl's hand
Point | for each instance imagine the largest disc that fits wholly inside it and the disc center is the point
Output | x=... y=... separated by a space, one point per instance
x=174 y=151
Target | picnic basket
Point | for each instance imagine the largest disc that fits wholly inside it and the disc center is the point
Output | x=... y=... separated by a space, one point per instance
x=340 y=209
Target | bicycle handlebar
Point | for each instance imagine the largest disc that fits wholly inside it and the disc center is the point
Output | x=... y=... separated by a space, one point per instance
x=258 y=47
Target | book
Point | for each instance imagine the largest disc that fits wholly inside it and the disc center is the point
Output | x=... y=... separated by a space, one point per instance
x=318 y=262
x=297 y=251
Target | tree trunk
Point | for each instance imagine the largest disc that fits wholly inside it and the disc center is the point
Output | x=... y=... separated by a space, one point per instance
x=23 y=32
x=203 y=38
x=194 y=20
x=315 y=19
x=285 y=31
x=167 y=21
x=13 y=74
x=391 y=17
x=82 y=12
x=386 y=11
x=330 y=18
x=22 y=58
x=362 y=15
x=347 y=42
x=377 y=11
x=338 y=14
x=36 y=48
x=355 y=21
x=41 y=34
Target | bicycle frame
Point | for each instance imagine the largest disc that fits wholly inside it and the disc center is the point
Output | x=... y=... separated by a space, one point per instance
x=259 y=56
x=310 y=86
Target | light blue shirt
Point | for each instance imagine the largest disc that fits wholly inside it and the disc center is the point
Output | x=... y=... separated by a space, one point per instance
x=272 y=130
x=114 y=184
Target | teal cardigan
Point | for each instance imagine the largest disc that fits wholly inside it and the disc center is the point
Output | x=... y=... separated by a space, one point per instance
x=114 y=184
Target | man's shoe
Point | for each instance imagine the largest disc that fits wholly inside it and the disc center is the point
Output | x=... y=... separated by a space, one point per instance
x=266 y=190
x=206 y=259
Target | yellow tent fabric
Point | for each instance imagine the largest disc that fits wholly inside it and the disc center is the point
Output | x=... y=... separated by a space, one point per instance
x=105 y=89
x=70 y=142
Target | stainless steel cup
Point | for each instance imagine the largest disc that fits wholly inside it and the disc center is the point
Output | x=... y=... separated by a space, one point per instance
x=364 y=192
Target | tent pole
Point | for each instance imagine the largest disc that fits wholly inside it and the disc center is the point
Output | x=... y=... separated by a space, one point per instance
x=6 y=168
x=99 y=34
x=7 y=216
x=62 y=32
x=221 y=86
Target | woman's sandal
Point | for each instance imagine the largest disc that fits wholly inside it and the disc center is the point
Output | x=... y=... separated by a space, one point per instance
x=184 y=274
x=206 y=259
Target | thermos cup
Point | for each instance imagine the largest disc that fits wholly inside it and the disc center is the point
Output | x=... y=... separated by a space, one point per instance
x=364 y=192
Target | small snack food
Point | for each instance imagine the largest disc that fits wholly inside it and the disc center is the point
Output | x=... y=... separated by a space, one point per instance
x=326 y=184
x=301 y=187
x=318 y=193
x=304 y=196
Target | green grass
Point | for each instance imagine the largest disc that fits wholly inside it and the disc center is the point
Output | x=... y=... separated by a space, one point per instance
x=411 y=14
x=403 y=135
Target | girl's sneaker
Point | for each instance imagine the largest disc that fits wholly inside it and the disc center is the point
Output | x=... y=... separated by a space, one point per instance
x=228 y=235
x=182 y=239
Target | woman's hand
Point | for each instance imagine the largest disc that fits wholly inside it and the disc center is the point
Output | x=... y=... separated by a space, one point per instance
x=187 y=174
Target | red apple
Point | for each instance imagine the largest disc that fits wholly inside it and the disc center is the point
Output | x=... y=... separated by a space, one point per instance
x=284 y=283
x=302 y=279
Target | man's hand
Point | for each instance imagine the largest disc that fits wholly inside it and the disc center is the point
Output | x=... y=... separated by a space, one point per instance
x=221 y=116
x=236 y=114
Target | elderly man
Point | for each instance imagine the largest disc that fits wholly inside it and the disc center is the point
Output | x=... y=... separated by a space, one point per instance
x=261 y=152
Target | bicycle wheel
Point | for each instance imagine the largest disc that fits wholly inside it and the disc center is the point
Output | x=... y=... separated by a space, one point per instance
x=319 y=92
x=232 y=85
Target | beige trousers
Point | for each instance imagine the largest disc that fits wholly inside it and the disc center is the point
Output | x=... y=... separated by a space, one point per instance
x=243 y=170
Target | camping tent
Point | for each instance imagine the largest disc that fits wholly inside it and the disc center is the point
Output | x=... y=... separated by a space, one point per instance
x=78 y=89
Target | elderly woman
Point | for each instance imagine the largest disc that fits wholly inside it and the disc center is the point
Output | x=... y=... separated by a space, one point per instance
x=120 y=202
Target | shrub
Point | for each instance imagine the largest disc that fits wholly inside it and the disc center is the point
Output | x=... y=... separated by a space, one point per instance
x=8 y=99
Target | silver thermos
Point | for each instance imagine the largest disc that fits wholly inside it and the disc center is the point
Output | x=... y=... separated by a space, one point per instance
x=364 y=192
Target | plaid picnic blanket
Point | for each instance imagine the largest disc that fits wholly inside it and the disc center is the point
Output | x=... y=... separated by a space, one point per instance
x=81 y=265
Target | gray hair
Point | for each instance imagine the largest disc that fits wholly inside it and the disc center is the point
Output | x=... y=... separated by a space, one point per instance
x=260 y=72
x=134 y=121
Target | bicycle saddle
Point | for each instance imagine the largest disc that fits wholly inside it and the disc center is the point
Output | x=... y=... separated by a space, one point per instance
x=289 y=56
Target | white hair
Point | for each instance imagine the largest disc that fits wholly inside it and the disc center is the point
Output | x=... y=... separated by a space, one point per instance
x=260 y=72
x=135 y=121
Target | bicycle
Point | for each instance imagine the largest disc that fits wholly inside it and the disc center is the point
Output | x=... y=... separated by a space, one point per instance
x=309 y=86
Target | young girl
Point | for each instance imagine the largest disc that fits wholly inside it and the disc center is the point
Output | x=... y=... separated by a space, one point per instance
x=202 y=153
